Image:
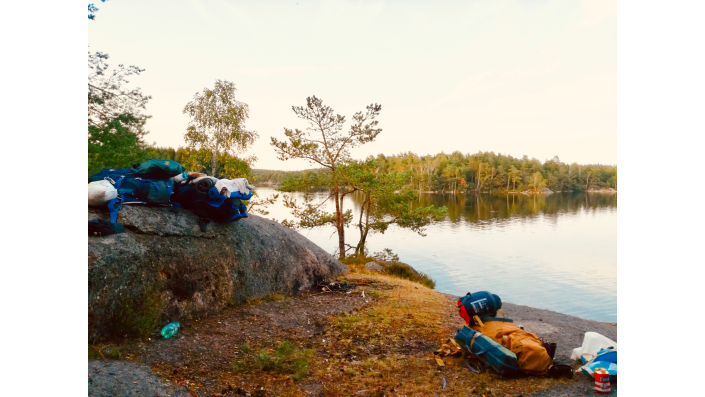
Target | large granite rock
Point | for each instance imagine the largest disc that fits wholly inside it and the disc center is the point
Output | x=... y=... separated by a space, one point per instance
x=169 y=265
x=109 y=378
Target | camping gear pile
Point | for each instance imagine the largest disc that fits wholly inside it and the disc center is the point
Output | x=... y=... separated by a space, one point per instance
x=597 y=351
x=499 y=344
x=166 y=182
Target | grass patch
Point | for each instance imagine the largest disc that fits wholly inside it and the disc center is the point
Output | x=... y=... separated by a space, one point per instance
x=346 y=323
x=394 y=269
x=357 y=260
x=285 y=358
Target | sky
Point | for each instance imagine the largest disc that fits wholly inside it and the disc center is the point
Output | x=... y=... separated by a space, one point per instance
x=533 y=77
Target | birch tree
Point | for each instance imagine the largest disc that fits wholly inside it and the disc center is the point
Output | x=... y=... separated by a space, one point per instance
x=218 y=122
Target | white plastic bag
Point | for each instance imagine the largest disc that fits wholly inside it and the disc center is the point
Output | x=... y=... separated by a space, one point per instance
x=100 y=192
x=592 y=343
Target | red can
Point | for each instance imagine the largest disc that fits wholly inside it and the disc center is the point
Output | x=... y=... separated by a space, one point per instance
x=602 y=380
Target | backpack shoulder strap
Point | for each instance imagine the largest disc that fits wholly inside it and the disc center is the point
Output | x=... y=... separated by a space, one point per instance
x=114 y=211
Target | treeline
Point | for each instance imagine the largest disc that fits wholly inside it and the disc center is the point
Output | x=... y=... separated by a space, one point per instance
x=197 y=160
x=482 y=172
x=290 y=181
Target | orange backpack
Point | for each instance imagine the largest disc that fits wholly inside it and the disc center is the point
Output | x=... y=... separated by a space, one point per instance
x=532 y=356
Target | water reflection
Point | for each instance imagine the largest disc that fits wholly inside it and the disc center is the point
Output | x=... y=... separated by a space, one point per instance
x=557 y=252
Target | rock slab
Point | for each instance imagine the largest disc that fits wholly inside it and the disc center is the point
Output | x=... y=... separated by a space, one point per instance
x=170 y=265
x=108 y=378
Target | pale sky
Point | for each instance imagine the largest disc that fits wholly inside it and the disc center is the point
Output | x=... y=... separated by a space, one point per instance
x=534 y=77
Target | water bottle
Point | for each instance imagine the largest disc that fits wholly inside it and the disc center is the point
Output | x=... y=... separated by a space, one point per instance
x=170 y=329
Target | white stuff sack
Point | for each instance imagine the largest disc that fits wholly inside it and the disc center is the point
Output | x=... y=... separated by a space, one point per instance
x=100 y=192
x=592 y=344
x=241 y=185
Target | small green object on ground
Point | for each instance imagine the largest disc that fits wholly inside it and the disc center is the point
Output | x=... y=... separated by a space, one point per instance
x=170 y=329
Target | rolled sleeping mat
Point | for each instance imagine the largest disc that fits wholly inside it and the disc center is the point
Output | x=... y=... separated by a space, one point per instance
x=215 y=199
x=203 y=184
x=494 y=355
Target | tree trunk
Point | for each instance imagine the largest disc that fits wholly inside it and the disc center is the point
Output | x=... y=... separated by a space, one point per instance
x=214 y=163
x=363 y=233
x=339 y=223
x=360 y=249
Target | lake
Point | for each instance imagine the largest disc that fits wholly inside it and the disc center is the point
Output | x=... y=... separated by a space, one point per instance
x=556 y=252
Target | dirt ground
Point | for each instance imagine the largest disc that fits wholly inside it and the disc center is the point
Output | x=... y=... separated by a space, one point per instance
x=336 y=342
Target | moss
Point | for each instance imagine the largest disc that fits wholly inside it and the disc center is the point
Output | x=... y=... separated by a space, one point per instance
x=275 y=297
x=93 y=353
x=98 y=352
x=139 y=318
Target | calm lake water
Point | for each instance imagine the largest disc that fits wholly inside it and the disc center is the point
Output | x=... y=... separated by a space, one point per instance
x=556 y=252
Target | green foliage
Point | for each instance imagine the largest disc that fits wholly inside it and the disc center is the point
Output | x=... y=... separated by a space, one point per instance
x=488 y=172
x=114 y=144
x=114 y=154
x=201 y=160
x=298 y=181
x=324 y=143
x=310 y=215
x=218 y=123
x=259 y=205
x=93 y=353
x=402 y=270
x=386 y=255
x=115 y=120
x=285 y=358
x=484 y=172
x=386 y=202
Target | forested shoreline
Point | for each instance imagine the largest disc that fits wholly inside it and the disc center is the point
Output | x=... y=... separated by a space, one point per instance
x=482 y=172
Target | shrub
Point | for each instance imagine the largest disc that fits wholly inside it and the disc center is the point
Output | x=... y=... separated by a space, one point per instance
x=402 y=270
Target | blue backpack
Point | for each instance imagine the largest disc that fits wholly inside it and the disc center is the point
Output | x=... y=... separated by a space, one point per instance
x=148 y=183
x=491 y=353
x=201 y=197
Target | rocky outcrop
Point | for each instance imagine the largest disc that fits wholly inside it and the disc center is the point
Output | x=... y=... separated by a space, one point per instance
x=602 y=190
x=543 y=190
x=374 y=267
x=123 y=378
x=170 y=265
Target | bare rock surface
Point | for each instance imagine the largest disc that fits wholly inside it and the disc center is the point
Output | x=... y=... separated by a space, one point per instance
x=109 y=378
x=374 y=267
x=169 y=265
